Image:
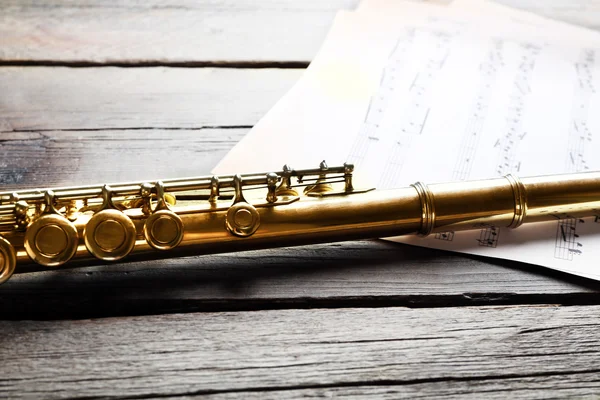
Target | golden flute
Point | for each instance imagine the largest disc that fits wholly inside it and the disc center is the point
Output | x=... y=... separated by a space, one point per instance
x=216 y=214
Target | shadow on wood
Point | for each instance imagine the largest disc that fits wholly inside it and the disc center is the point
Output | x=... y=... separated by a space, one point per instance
x=351 y=274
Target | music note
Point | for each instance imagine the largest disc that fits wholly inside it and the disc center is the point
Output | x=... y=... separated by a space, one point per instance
x=448 y=236
x=567 y=240
x=488 y=237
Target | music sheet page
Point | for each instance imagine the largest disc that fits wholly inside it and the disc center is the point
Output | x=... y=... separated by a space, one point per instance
x=442 y=94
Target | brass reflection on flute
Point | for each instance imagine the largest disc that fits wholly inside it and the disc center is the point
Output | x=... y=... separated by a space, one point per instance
x=217 y=214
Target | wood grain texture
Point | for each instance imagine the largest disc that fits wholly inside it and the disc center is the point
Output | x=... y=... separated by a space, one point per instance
x=352 y=274
x=173 y=31
x=578 y=12
x=584 y=385
x=540 y=352
x=58 y=98
x=63 y=158
x=195 y=33
x=89 y=124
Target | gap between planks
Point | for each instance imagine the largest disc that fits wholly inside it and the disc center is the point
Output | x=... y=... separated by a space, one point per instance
x=150 y=64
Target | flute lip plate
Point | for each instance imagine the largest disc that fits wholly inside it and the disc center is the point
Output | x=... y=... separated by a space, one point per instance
x=51 y=240
x=110 y=235
x=8 y=259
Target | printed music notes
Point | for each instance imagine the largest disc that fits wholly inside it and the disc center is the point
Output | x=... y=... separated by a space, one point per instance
x=488 y=237
x=487 y=78
x=449 y=236
x=508 y=144
x=579 y=132
x=417 y=108
x=378 y=104
x=567 y=240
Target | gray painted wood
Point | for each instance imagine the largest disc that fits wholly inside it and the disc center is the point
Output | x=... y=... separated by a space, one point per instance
x=578 y=12
x=352 y=274
x=165 y=31
x=53 y=119
x=195 y=33
x=584 y=385
x=58 y=98
x=63 y=158
x=540 y=352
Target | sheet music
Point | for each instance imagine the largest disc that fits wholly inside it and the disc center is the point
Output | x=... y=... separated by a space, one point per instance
x=421 y=93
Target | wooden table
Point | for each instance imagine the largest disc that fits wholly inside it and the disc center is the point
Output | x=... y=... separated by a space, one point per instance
x=100 y=91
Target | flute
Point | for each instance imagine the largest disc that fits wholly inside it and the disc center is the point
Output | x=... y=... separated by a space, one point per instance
x=217 y=214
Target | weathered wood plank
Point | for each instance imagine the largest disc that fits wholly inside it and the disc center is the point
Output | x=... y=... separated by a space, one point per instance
x=578 y=12
x=359 y=273
x=165 y=31
x=58 y=98
x=460 y=351
x=63 y=158
x=393 y=352
x=538 y=387
x=184 y=31
x=534 y=387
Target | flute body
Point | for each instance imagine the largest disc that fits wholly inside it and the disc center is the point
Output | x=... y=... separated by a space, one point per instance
x=203 y=215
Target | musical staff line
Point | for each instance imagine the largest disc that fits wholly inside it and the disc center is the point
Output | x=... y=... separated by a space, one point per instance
x=418 y=109
x=567 y=242
x=580 y=133
x=379 y=100
x=508 y=143
x=488 y=70
x=448 y=236
x=488 y=237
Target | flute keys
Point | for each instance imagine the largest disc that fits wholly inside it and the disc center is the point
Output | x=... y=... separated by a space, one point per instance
x=163 y=230
x=242 y=219
x=8 y=259
x=51 y=240
x=110 y=235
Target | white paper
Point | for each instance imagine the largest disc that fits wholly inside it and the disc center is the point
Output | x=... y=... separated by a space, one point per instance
x=424 y=93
